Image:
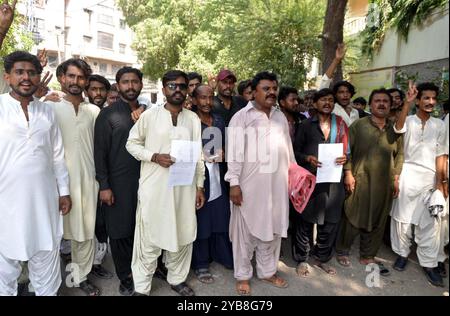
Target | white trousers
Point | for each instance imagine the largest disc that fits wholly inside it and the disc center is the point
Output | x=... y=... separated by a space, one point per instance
x=245 y=244
x=428 y=240
x=145 y=260
x=44 y=273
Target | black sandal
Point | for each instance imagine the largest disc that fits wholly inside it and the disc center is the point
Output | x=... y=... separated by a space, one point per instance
x=183 y=289
x=89 y=289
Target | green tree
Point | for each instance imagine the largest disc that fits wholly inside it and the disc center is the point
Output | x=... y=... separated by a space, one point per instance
x=245 y=36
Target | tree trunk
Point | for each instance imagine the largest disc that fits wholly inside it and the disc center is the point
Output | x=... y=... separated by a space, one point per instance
x=333 y=33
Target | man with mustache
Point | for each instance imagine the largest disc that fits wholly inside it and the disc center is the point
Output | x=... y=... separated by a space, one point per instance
x=325 y=205
x=76 y=119
x=371 y=179
x=259 y=155
x=166 y=218
x=424 y=148
x=118 y=173
x=289 y=104
x=34 y=182
x=225 y=103
x=97 y=90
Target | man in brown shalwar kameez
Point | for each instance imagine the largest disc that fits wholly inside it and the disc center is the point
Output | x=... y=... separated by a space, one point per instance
x=371 y=178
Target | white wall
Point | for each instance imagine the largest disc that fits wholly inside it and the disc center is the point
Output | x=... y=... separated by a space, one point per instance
x=427 y=43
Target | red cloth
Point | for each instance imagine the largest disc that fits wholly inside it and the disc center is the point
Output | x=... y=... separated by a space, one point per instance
x=301 y=186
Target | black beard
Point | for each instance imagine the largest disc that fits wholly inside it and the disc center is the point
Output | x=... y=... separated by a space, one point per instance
x=25 y=95
x=130 y=99
x=171 y=100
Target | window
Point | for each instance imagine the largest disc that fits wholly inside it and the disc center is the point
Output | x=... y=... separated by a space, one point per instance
x=122 y=48
x=103 y=68
x=87 y=39
x=105 y=40
x=122 y=24
x=38 y=26
x=87 y=17
x=106 y=19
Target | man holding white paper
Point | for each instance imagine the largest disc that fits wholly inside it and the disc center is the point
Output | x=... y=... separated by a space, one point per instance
x=166 y=218
x=321 y=146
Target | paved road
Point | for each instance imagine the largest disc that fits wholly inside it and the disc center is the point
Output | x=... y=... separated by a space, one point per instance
x=348 y=281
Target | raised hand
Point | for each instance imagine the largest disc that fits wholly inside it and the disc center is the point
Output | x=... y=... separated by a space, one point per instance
x=43 y=85
x=6 y=16
x=42 y=56
x=412 y=93
x=340 y=51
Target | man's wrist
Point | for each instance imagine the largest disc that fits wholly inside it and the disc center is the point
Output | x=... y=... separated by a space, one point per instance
x=154 y=158
x=200 y=189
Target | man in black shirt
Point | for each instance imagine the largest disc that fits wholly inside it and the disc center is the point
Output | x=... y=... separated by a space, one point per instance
x=225 y=103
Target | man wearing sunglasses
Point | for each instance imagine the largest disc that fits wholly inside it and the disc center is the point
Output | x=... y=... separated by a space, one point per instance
x=166 y=216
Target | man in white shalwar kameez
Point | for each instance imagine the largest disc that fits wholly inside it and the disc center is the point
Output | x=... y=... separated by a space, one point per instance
x=166 y=217
x=258 y=175
x=34 y=182
x=76 y=120
x=423 y=144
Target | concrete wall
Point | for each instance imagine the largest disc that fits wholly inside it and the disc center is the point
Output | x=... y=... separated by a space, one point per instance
x=426 y=43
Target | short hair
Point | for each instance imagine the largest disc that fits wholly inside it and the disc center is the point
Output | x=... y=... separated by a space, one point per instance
x=402 y=94
x=323 y=93
x=194 y=75
x=18 y=56
x=100 y=79
x=76 y=62
x=265 y=75
x=173 y=75
x=127 y=70
x=114 y=88
x=347 y=84
x=59 y=71
x=196 y=90
x=285 y=92
x=427 y=86
x=244 y=84
x=360 y=100
x=445 y=105
x=380 y=91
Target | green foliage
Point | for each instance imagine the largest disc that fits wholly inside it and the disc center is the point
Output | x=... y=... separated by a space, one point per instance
x=400 y=15
x=16 y=39
x=245 y=36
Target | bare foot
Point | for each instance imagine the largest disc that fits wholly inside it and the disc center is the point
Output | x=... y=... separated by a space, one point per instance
x=243 y=287
x=303 y=269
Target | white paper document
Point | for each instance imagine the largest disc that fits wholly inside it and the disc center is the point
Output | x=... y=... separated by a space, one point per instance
x=330 y=172
x=186 y=155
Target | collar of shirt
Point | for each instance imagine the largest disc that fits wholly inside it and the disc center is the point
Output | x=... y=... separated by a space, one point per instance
x=251 y=106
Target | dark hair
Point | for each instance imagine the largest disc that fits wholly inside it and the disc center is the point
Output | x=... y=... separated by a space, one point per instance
x=19 y=56
x=194 y=75
x=427 y=86
x=243 y=85
x=195 y=92
x=445 y=105
x=322 y=93
x=380 y=91
x=285 y=92
x=114 y=87
x=127 y=70
x=265 y=75
x=347 y=84
x=79 y=63
x=392 y=90
x=173 y=75
x=100 y=79
x=59 y=71
x=360 y=100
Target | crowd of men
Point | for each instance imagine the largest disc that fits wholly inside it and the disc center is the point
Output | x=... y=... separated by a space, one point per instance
x=92 y=166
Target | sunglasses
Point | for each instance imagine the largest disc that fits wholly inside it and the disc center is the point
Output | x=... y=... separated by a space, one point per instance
x=173 y=86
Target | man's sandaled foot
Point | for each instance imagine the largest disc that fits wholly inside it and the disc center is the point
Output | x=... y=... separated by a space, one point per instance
x=303 y=269
x=204 y=276
x=183 y=289
x=243 y=288
x=343 y=261
x=325 y=267
x=276 y=281
x=89 y=289
x=383 y=270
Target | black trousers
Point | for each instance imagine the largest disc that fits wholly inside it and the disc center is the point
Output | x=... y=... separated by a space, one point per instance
x=215 y=248
x=100 y=225
x=122 y=253
x=322 y=250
